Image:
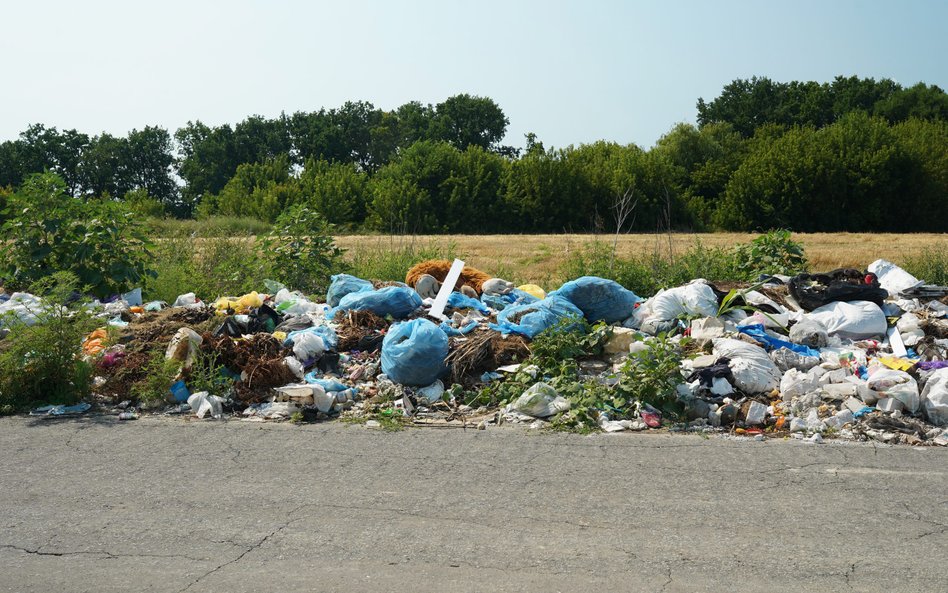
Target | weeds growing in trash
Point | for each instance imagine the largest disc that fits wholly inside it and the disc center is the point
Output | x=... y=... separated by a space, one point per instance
x=207 y=374
x=152 y=391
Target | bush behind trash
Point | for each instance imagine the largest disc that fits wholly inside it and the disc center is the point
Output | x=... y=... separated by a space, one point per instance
x=38 y=363
x=771 y=253
x=49 y=231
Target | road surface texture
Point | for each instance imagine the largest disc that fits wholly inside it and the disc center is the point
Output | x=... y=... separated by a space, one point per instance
x=174 y=506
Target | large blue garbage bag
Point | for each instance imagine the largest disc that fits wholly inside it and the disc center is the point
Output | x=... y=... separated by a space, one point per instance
x=529 y=320
x=397 y=301
x=599 y=299
x=343 y=284
x=413 y=352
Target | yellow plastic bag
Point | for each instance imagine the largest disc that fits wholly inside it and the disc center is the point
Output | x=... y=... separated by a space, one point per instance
x=534 y=290
x=239 y=306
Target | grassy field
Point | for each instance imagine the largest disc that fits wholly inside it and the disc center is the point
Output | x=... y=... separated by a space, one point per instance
x=539 y=258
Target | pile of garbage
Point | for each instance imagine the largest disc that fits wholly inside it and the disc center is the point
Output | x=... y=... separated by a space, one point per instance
x=848 y=354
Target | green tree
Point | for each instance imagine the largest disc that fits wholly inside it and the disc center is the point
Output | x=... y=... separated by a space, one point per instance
x=466 y=120
x=338 y=191
x=49 y=231
x=260 y=190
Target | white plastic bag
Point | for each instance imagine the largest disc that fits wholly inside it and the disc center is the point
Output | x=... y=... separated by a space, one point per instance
x=795 y=383
x=203 y=404
x=695 y=298
x=893 y=278
x=856 y=320
x=752 y=368
x=935 y=398
x=895 y=384
x=540 y=401
x=307 y=346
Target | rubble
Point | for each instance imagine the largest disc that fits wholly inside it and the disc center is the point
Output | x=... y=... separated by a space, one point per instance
x=846 y=354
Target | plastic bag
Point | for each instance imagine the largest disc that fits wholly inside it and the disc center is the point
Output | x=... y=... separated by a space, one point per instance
x=184 y=346
x=694 y=299
x=456 y=300
x=413 y=352
x=533 y=290
x=397 y=301
x=895 y=384
x=529 y=320
x=203 y=404
x=514 y=297
x=186 y=300
x=795 y=383
x=327 y=333
x=753 y=370
x=540 y=401
x=856 y=320
x=22 y=305
x=809 y=332
x=760 y=334
x=599 y=299
x=343 y=284
x=893 y=278
x=813 y=291
x=935 y=397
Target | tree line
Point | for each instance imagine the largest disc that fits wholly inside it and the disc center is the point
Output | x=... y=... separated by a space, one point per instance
x=854 y=154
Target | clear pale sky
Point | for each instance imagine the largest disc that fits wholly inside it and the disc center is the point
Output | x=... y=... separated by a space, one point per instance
x=571 y=72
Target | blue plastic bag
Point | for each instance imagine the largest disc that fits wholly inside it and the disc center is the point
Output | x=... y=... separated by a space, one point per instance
x=328 y=334
x=329 y=384
x=450 y=330
x=499 y=302
x=397 y=301
x=456 y=300
x=757 y=332
x=535 y=317
x=599 y=299
x=413 y=352
x=343 y=284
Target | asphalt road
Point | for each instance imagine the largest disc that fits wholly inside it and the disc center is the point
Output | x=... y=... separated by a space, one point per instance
x=173 y=506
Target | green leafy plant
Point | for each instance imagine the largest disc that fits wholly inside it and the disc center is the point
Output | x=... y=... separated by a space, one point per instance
x=774 y=252
x=48 y=231
x=40 y=362
x=648 y=376
x=207 y=374
x=302 y=250
x=153 y=390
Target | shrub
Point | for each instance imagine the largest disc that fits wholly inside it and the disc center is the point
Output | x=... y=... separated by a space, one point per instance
x=40 y=363
x=153 y=390
x=301 y=250
x=774 y=252
x=49 y=231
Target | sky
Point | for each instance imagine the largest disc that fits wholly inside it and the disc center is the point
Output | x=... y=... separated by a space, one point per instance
x=570 y=72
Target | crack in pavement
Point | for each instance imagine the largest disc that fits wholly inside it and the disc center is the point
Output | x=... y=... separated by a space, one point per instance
x=250 y=548
x=668 y=575
x=103 y=553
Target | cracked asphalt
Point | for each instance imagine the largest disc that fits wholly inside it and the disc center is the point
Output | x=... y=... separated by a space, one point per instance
x=173 y=506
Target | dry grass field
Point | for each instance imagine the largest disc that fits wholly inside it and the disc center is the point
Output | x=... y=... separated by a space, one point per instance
x=537 y=258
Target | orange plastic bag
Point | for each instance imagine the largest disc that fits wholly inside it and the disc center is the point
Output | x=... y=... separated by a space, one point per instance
x=95 y=342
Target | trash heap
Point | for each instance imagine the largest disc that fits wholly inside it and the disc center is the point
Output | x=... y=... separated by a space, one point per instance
x=851 y=354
